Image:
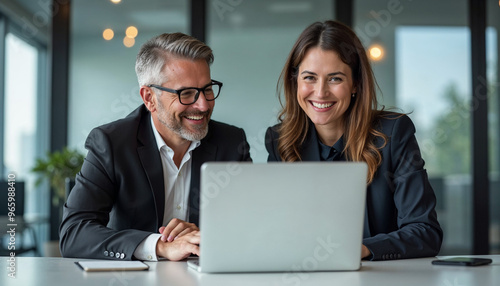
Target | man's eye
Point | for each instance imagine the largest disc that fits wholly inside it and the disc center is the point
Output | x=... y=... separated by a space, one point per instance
x=188 y=93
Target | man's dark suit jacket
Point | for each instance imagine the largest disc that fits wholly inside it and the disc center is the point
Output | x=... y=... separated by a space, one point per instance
x=400 y=220
x=119 y=196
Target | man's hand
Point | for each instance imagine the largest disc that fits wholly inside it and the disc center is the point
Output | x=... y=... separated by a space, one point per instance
x=180 y=248
x=176 y=228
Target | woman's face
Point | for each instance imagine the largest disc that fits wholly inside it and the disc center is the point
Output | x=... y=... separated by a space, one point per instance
x=324 y=88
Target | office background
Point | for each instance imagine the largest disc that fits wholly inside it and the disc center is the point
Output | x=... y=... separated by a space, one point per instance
x=437 y=60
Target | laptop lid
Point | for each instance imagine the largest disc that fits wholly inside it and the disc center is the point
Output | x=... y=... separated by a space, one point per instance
x=304 y=216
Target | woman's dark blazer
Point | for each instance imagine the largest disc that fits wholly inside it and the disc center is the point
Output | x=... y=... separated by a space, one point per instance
x=400 y=219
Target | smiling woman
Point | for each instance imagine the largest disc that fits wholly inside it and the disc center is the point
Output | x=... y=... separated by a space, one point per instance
x=250 y=40
x=324 y=89
x=330 y=114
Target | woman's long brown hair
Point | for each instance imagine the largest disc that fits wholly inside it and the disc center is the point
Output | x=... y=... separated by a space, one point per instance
x=359 y=129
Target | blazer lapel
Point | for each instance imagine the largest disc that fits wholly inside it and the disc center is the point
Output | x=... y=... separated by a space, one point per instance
x=310 y=152
x=151 y=162
x=206 y=152
x=310 y=147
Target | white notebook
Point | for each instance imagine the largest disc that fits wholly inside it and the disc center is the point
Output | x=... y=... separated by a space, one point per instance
x=106 y=265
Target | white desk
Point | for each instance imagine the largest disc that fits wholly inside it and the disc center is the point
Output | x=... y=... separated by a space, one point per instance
x=63 y=271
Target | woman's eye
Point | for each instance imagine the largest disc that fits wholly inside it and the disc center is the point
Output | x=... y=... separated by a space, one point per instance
x=336 y=79
x=308 y=78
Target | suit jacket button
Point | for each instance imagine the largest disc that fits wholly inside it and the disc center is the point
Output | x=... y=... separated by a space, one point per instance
x=122 y=255
x=111 y=254
x=399 y=255
x=391 y=256
x=117 y=255
x=106 y=253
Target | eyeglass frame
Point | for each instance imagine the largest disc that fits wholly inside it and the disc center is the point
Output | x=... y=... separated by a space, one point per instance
x=199 y=90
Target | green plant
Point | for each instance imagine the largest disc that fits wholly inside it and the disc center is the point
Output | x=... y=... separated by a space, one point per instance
x=56 y=167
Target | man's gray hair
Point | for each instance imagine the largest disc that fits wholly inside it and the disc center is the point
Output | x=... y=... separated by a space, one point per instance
x=154 y=53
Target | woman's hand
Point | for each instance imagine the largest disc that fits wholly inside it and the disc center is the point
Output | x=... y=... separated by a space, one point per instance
x=365 y=252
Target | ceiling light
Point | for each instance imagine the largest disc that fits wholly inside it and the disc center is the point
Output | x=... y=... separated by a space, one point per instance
x=131 y=32
x=108 y=34
x=128 y=42
x=376 y=52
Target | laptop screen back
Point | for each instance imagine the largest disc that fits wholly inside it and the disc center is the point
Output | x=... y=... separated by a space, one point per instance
x=281 y=216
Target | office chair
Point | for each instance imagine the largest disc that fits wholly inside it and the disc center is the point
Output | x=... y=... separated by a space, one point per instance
x=22 y=228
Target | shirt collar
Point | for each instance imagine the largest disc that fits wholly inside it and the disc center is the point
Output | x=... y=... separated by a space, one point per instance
x=327 y=153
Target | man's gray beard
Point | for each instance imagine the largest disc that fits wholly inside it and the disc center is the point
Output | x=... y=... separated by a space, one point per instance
x=193 y=136
x=200 y=131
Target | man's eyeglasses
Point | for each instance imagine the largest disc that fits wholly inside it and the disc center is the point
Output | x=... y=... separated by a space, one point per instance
x=190 y=95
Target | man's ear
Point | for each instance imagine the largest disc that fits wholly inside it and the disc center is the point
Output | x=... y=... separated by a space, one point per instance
x=148 y=97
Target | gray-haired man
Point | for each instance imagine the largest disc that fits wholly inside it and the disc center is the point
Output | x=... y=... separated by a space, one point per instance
x=142 y=172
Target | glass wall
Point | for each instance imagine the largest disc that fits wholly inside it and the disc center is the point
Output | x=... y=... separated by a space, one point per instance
x=104 y=41
x=24 y=120
x=251 y=40
x=493 y=84
x=425 y=72
x=21 y=68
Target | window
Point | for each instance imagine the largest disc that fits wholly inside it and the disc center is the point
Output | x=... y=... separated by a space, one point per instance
x=425 y=71
x=493 y=96
x=24 y=124
x=20 y=105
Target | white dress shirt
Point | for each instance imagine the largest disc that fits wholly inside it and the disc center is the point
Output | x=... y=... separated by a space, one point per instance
x=177 y=182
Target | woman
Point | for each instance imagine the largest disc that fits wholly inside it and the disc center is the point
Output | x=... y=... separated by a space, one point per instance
x=330 y=114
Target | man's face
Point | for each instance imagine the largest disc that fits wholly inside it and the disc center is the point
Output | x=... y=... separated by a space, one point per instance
x=188 y=122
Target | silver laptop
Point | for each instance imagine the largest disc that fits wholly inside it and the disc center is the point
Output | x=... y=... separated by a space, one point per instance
x=281 y=217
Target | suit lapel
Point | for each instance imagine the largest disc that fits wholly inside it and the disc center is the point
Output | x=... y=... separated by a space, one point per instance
x=310 y=147
x=206 y=152
x=151 y=162
x=311 y=152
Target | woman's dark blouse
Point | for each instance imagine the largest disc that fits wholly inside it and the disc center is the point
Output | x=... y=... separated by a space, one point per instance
x=400 y=219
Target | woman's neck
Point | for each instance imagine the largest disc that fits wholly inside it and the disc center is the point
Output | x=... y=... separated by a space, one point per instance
x=329 y=135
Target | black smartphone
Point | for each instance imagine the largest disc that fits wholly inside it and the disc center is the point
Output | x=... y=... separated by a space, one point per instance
x=462 y=261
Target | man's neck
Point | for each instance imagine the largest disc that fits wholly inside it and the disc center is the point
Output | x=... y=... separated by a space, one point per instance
x=179 y=152
x=178 y=144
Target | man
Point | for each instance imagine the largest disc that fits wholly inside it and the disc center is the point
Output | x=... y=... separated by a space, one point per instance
x=142 y=172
